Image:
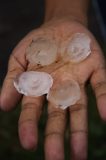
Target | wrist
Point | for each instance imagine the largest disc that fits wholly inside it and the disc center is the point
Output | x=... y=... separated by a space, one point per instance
x=66 y=9
x=81 y=18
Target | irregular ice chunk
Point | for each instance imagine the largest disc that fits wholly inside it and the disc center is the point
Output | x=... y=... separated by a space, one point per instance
x=78 y=47
x=33 y=83
x=42 y=51
x=64 y=94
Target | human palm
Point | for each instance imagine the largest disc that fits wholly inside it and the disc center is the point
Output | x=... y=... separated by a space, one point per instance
x=92 y=69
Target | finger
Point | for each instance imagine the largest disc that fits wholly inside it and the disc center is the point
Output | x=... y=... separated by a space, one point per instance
x=54 y=140
x=17 y=64
x=98 y=82
x=28 y=122
x=78 y=125
x=9 y=95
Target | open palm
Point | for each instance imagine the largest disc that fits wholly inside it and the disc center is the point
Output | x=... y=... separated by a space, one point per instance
x=92 y=68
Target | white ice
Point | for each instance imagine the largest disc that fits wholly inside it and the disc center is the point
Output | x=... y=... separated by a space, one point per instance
x=42 y=51
x=33 y=83
x=65 y=95
x=78 y=47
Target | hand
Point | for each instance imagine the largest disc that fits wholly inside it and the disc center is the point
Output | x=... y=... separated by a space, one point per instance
x=93 y=69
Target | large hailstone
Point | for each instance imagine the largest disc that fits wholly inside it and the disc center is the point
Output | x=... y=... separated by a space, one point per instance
x=42 y=51
x=78 y=48
x=65 y=94
x=33 y=83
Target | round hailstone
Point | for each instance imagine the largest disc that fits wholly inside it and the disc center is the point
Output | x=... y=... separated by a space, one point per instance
x=42 y=51
x=64 y=94
x=33 y=83
x=78 y=47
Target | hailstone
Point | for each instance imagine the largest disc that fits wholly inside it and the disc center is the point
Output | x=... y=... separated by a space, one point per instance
x=77 y=48
x=33 y=83
x=65 y=94
x=42 y=51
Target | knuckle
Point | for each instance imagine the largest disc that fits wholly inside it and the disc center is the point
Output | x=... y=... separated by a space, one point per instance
x=101 y=68
x=52 y=133
x=56 y=115
x=100 y=84
x=25 y=121
x=28 y=106
x=77 y=107
x=15 y=63
x=32 y=101
x=81 y=131
x=12 y=72
x=100 y=89
x=32 y=107
x=101 y=94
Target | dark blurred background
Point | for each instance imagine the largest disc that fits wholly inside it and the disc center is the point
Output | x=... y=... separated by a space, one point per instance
x=17 y=18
